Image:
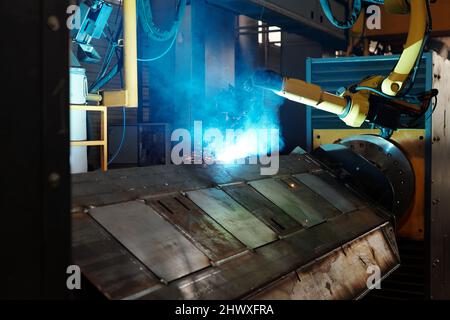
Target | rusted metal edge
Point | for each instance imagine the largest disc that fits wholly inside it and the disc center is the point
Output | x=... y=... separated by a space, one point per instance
x=314 y=261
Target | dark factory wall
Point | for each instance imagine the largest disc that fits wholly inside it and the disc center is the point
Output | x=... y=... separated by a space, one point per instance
x=205 y=65
x=35 y=227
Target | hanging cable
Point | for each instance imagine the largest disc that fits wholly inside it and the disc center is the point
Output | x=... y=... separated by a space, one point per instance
x=124 y=126
x=146 y=21
x=162 y=54
x=356 y=10
x=103 y=76
x=152 y=31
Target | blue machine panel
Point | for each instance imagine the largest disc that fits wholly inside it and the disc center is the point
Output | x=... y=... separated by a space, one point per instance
x=334 y=73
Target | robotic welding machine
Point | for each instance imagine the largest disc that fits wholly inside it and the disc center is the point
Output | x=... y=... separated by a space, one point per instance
x=377 y=99
x=325 y=218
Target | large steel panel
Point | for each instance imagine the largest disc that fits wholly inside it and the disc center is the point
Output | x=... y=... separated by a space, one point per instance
x=262 y=208
x=114 y=186
x=330 y=190
x=245 y=214
x=209 y=236
x=246 y=274
x=233 y=217
x=153 y=240
x=342 y=274
x=104 y=262
x=296 y=200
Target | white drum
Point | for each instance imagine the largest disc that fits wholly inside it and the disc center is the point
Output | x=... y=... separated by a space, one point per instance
x=78 y=130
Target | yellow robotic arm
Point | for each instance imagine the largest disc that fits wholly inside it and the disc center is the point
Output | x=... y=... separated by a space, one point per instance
x=418 y=25
x=352 y=111
x=376 y=99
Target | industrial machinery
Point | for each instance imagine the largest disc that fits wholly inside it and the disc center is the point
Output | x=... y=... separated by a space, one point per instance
x=377 y=100
x=94 y=15
x=319 y=229
x=223 y=232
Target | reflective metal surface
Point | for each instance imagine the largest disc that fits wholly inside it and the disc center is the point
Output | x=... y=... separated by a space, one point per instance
x=114 y=186
x=296 y=200
x=105 y=263
x=439 y=197
x=150 y=238
x=330 y=190
x=251 y=272
x=209 y=236
x=390 y=160
x=262 y=208
x=233 y=217
x=342 y=274
x=126 y=248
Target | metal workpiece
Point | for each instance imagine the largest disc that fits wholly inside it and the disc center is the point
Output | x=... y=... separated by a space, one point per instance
x=392 y=162
x=219 y=236
x=328 y=188
x=297 y=200
x=262 y=208
x=150 y=238
x=233 y=217
x=248 y=274
x=105 y=263
x=340 y=274
x=103 y=188
x=210 y=237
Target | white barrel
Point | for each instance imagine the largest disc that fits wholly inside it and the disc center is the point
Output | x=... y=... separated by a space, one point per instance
x=78 y=85
x=78 y=130
x=78 y=160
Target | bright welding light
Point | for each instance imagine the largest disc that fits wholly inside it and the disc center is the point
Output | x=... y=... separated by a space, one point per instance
x=246 y=145
x=251 y=144
x=241 y=150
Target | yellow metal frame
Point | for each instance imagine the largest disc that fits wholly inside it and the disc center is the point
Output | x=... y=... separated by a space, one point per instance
x=103 y=142
x=128 y=96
